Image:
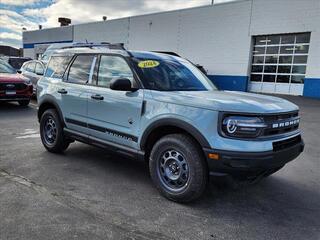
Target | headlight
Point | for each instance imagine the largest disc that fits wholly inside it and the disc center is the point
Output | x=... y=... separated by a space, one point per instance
x=242 y=127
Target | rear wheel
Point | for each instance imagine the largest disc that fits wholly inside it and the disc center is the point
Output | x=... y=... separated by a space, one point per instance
x=51 y=132
x=24 y=102
x=178 y=168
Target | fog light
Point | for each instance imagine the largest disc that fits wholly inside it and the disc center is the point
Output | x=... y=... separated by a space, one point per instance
x=214 y=156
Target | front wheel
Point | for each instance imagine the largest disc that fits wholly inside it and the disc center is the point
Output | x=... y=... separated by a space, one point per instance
x=178 y=168
x=51 y=132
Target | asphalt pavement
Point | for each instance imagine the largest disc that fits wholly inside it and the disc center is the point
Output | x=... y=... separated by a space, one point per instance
x=89 y=193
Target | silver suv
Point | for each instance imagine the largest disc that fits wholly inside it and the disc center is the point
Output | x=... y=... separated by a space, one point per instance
x=163 y=109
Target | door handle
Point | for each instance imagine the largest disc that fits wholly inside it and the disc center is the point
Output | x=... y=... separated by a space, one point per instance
x=62 y=91
x=97 y=97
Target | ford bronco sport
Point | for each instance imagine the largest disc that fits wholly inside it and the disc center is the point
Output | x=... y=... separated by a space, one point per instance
x=163 y=109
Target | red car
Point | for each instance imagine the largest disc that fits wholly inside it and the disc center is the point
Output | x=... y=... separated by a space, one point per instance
x=13 y=86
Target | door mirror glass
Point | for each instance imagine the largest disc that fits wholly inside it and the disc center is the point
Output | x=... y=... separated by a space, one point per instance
x=121 y=84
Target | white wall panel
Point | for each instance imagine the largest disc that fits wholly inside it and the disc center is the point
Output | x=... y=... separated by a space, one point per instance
x=106 y=31
x=48 y=35
x=313 y=67
x=217 y=37
x=155 y=32
x=290 y=16
x=29 y=52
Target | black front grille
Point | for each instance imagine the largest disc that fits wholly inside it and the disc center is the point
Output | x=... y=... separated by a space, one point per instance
x=281 y=123
x=281 y=116
x=12 y=86
x=278 y=146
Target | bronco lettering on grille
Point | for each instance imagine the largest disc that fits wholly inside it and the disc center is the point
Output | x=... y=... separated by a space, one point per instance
x=286 y=123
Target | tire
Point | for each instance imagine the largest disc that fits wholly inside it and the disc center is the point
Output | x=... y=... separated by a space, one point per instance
x=178 y=152
x=51 y=132
x=24 y=103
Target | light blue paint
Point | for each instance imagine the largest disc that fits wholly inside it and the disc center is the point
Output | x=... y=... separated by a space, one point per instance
x=228 y=82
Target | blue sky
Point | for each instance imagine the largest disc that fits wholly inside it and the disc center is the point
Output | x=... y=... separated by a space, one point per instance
x=16 y=14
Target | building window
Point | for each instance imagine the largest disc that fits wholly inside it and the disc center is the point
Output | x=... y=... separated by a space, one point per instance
x=280 y=58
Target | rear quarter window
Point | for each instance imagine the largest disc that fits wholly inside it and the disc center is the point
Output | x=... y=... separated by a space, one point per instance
x=57 y=66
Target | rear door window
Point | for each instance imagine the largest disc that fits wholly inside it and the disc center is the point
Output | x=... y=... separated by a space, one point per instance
x=39 y=69
x=81 y=69
x=30 y=67
x=57 y=66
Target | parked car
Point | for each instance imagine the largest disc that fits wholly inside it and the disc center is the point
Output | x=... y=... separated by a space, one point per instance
x=33 y=70
x=13 y=86
x=16 y=62
x=161 y=108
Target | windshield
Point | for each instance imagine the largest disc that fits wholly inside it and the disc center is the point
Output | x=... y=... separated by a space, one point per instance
x=172 y=75
x=17 y=62
x=6 y=67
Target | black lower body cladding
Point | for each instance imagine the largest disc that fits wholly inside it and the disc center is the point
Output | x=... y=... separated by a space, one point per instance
x=255 y=163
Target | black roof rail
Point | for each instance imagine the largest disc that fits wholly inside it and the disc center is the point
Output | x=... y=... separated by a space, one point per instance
x=119 y=46
x=169 y=53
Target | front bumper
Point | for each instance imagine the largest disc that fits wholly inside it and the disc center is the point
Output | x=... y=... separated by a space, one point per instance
x=25 y=94
x=246 y=163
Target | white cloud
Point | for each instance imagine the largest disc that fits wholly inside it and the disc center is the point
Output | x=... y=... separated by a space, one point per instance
x=81 y=11
x=19 y=2
x=14 y=21
x=7 y=35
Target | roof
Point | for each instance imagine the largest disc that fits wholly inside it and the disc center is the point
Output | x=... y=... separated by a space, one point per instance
x=123 y=52
x=96 y=50
x=154 y=55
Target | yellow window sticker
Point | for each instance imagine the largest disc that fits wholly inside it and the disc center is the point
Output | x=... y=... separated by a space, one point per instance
x=148 y=64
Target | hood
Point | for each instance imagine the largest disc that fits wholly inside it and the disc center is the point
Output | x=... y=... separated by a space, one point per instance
x=12 y=77
x=230 y=101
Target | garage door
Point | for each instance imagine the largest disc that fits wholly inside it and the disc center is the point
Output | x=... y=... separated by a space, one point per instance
x=279 y=63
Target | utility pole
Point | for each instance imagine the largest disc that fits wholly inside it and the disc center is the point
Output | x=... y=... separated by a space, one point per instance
x=212 y=2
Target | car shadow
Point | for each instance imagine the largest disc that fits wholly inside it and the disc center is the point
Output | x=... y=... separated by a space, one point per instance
x=275 y=189
x=12 y=106
x=276 y=200
x=82 y=156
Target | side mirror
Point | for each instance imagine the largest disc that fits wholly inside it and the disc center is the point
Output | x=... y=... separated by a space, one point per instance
x=19 y=71
x=40 y=73
x=121 y=84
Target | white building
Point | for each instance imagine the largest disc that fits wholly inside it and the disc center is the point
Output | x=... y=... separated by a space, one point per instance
x=268 y=46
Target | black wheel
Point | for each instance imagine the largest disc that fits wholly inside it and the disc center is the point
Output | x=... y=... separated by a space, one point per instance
x=24 y=102
x=51 y=132
x=177 y=168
